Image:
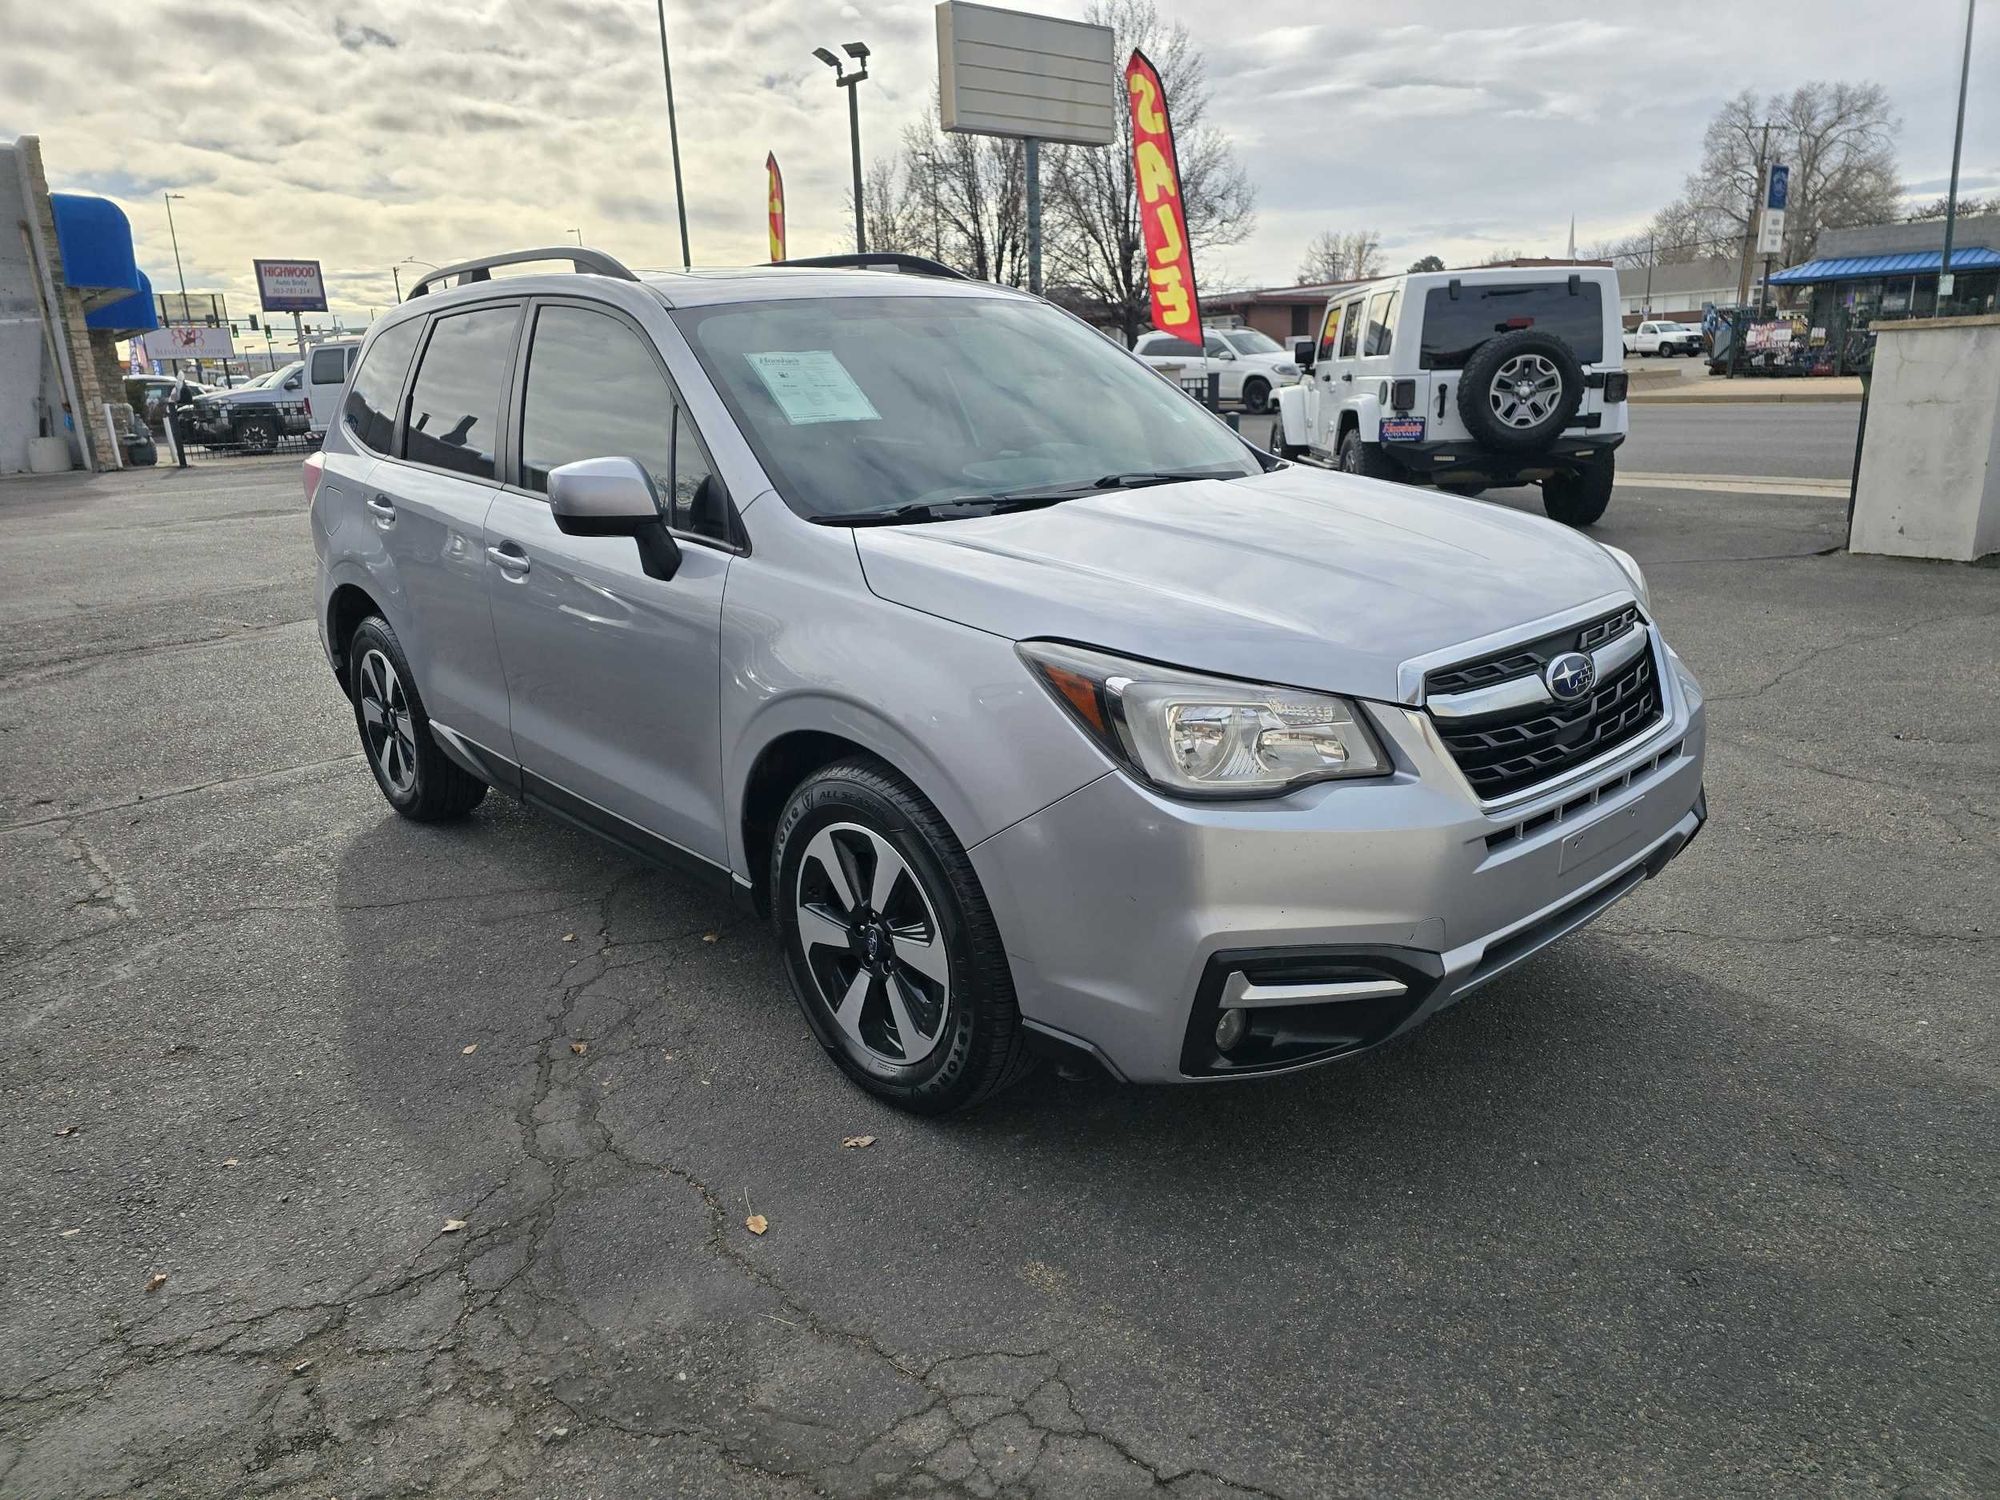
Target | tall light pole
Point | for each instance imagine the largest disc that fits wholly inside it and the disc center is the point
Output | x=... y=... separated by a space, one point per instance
x=1946 y=285
x=579 y=237
x=844 y=79
x=674 y=138
x=179 y=275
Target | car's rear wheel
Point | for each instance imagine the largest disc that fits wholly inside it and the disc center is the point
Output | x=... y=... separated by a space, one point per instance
x=1257 y=395
x=1579 y=497
x=418 y=779
x=889 y=945
x=1365 y=459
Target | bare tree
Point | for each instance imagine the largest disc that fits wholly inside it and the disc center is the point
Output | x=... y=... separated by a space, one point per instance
x=1968 y=208
x=1333 y=256
x=1093 y=240
x=894 y=209
x=1840 y=141
x=961 y=199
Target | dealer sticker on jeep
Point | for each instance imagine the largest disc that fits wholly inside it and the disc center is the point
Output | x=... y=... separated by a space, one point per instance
x=1402 y=429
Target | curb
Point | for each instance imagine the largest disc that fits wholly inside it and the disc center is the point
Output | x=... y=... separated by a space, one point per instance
x=1748 y=398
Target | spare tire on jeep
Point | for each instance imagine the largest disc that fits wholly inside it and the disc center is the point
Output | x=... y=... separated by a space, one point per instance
x=1520 y=390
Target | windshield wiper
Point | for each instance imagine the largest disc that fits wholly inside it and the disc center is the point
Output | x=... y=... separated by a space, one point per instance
x=955 y=507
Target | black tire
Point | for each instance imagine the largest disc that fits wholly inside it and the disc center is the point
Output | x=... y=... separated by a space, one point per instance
x=1365 y=459
x=257 y=434
x=1257 y=395
x=1579 y=497
x=860 y=806
x=1526 y=353
x=416 y=777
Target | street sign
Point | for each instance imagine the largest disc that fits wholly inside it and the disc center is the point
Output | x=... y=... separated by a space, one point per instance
x=1771 y=220
x=292 y=286
x=1004 y=72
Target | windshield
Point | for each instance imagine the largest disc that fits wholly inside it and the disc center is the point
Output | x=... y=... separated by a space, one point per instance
x=1250 y=341
x=870 y=404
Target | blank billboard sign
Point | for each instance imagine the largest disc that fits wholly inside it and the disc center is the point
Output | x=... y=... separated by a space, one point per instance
x=1003 y=72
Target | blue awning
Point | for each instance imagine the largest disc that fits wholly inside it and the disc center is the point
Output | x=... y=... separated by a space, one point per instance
x=1861 y=267
x=95 y=239
x=138 y=312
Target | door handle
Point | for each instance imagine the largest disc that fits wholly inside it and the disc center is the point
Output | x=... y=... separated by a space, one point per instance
x=1348 y=377
x=383 y=507
x=510 y=558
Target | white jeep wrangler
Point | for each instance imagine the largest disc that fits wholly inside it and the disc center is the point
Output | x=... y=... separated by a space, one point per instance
x=1469 y=380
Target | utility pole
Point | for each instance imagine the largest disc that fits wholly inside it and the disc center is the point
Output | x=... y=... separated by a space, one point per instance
x=1750 y=222
x=1652 y=254
x=397 y=276
x=1946 y=285
x=179 y=275
x=674 y=138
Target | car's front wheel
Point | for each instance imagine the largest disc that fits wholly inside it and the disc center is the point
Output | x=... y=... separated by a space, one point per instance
x=889 y=945
x=1257 y=395
x=1579 y=497
x=419 y=780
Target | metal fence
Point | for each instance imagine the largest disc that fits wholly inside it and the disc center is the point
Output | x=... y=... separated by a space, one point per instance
x=248 y=432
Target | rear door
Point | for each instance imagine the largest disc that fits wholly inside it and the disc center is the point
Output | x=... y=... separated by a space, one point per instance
x=429 y=502
x=612 y=674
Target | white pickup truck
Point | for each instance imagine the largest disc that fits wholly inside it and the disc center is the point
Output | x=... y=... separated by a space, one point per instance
x=1469 y=379
x=1665 y=339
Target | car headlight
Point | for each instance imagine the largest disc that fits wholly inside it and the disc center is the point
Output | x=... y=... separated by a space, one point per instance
x=1630 y=564
x=1195 y=736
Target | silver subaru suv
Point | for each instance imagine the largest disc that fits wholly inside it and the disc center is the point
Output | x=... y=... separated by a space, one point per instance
x=1038 y=711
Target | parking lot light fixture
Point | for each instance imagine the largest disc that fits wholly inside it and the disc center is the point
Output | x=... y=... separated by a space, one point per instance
x=844 y=79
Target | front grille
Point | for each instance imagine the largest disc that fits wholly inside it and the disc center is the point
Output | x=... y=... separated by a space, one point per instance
x=1509 y=751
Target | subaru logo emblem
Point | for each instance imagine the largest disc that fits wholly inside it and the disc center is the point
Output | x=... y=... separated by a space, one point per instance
x=1570 y=676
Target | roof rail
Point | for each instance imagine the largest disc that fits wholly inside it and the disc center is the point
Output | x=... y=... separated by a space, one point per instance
x=883 y=260
x=590 y=262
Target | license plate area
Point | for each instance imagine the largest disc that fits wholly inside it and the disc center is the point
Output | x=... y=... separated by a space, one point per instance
x=1601 y=837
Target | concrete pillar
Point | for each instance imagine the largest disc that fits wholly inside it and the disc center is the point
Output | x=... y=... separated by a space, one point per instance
x=70 y=330
x=1929 y=482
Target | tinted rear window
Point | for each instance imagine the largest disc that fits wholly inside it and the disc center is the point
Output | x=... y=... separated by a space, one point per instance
x=455 y=400
x=329 y=366
x=370 y=412
x=1453 y=328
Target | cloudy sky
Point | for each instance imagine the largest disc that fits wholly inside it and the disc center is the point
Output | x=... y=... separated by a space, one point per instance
x=362 y=133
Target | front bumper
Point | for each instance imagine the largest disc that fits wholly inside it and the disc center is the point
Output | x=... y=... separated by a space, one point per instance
x=1126 y=914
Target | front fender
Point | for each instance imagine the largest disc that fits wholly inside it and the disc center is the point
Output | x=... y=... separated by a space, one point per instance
x=1292 y=415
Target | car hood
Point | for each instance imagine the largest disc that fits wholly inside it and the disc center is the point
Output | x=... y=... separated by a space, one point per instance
x=1299 y=576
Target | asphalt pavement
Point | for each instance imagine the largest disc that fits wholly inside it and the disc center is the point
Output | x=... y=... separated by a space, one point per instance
x=348 y=1157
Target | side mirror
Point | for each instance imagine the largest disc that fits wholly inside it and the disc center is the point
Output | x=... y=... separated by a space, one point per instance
x=292 y=384
x=614 y=497
x=1223 y=354
x=1303 y=351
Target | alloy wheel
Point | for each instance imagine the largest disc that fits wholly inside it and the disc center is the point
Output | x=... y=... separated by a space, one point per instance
x=1526 y=389
x=386 y=723
x=873 y=945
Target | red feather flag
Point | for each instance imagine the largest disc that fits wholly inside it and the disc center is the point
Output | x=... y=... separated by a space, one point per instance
x=1156 y=170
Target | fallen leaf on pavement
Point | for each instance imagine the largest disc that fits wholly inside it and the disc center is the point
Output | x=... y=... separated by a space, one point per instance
x=231 y=1162
x=66 y=1130
x=579 y=1048
x=452 y=1226
x=756 y=1224
x=302 y=1366
x=569 y=937
x=468 y=1051
x=711 y=937
x=70 y=1233
x=159 y=1280
x=859 y=1140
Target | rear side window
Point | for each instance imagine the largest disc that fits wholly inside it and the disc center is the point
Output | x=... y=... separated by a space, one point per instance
x=329 y=366
x=1350 y=331
x=371 y=402
x=1453 y=328
x=1381 y=335
x=455 y=400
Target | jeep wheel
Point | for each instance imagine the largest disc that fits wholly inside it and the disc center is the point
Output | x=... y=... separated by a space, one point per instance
x=1257 y=395
x=889 y=945
x=1578 y=497
x=1365 y=459
x=258 y=434
x=1520 y=390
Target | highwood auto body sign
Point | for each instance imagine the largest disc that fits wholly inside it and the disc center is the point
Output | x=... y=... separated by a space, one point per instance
x=290 y=286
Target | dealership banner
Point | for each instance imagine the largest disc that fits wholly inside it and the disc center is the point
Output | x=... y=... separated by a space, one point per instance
x=291 y=286
x=185 y=341
x=774 y=196
x=1156 y=170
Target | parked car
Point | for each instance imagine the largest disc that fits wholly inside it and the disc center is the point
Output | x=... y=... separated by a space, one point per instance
x=1248 y=365
x=1662 y=338
x=153 y=396
x=1036 y=708
x=1469 y=379
x=327 y=369
x=254 y=417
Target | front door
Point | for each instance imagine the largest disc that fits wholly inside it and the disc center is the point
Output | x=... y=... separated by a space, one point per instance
x=1325 y=391
x=611 y=674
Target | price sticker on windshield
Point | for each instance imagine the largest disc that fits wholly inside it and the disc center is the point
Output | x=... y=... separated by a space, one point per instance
x=810 y=386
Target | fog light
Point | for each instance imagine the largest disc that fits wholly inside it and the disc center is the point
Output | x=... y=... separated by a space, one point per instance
x=1229 y=1029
